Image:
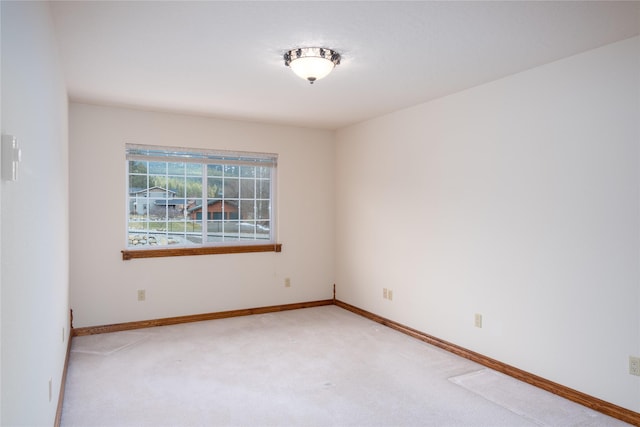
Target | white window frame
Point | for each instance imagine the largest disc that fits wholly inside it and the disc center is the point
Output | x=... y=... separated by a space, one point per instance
x=237 y=242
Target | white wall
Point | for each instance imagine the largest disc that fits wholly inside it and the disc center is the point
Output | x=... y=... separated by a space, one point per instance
x=0 y=223
x=34 y=277
x=104 y=288
x=519 y=200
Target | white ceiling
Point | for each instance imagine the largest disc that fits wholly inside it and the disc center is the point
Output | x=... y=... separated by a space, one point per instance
x=224 y=59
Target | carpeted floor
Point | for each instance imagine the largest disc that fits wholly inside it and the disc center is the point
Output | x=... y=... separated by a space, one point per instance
x=320 y=366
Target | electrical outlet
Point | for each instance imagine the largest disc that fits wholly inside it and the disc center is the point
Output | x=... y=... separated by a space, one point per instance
x=287 y=282
x=478 y=320
x=142 y=295
x=634 y=365
x=385 y=293
x=390 y=295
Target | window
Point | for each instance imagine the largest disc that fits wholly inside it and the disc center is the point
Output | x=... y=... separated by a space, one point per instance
x=187 y=199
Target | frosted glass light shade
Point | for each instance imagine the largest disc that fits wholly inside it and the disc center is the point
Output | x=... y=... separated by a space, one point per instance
x=311 y=63
x=311 y=68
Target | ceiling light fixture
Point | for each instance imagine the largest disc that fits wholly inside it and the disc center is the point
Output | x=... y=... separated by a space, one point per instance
x=311 y=63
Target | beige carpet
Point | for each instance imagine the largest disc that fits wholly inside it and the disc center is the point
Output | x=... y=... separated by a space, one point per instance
x=320 y=366
x=537 y=405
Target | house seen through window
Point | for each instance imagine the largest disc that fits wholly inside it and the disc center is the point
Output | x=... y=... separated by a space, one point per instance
x=184 y=198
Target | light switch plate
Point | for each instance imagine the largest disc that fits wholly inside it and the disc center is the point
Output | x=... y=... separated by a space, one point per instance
x=11 y=156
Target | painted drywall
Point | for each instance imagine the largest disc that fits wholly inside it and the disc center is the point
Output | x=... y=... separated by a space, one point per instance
x=35 y=289
x=518 y=200
x=104 y=287
x=0 y=220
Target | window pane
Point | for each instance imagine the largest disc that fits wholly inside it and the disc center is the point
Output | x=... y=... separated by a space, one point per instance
x=196 y=239
x=231 y=170
x=247 y=171
x=262 y=210
x=231 y=188
x=177 y=227
x=214 y=231
x=247 y=209
x=231 y=230
x=263 y=189
x=137 y=207
x=194 y=209
x=137 y=226
x=262 y=230
x=157 y=226
x=168 y=240
x=158 y=209
x=193 y=226
x=176 y=187
x=215 y=209
x=194 y=187
x=138 y=239
x=158 y=168
x=194 y=169
x=247 y=188
x=214 y=187
x=137 y=182
x=214 y=170
x=136 y=166
x=247 y=229
x=158 y=182
x=176 y=168
x=263 y=172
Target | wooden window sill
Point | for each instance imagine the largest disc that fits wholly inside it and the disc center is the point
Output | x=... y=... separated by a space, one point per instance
x=205 y=250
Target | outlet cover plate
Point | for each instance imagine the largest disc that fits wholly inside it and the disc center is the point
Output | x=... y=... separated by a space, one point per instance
x=478 y=320
x=634 y=365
